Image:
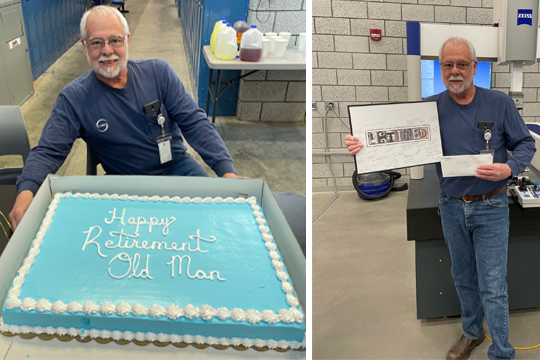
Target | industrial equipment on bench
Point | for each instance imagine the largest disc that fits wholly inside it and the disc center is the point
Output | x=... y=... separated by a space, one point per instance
x=526 y=193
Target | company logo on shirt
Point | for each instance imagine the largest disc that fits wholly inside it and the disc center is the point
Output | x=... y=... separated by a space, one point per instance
x=524 y=17
x=102 y=125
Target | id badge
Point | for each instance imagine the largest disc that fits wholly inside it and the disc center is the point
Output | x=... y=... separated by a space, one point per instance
x=487 y=137
x=164 y=145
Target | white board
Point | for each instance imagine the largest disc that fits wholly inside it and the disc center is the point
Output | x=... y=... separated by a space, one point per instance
x=396 y=135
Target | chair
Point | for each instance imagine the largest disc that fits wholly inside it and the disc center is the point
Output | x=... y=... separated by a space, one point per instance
x=120 y=4
x=13 y=141
x=92 y=161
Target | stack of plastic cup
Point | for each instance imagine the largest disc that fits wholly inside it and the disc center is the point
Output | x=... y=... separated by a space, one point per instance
x=286 y=36
x=279 y=47
x=266 y=47
x=268 y=36
x=302 y=42
x=272 y=43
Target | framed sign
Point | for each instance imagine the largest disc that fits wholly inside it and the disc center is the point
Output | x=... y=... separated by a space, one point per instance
x=396 y=135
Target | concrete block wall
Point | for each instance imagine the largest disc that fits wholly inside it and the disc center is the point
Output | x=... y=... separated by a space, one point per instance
x=272 y=95
x=349 y=68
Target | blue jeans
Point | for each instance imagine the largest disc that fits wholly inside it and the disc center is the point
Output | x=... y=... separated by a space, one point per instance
x=186 y=166
x=476 y=234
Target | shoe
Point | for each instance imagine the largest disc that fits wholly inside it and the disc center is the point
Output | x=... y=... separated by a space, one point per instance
x=464 y=346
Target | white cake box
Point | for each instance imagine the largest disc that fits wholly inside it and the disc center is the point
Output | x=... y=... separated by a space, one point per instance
x=18 y=247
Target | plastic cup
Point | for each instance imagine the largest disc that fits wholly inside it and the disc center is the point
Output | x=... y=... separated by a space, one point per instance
x=279 y=47
x=286 y=36
x=302 y=42
x=268 y=34
x=266 y=47
x=272 y=42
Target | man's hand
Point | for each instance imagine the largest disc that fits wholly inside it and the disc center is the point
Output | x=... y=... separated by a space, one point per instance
x=233 y=175
x=493 y=172
x=22 y=203
x=353 y=144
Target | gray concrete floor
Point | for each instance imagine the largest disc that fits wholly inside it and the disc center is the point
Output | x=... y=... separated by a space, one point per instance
x=271 y=151
x=364 y=295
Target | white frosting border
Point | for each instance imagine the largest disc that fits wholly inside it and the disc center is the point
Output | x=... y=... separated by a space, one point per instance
x=150 y=336
x=172 y=311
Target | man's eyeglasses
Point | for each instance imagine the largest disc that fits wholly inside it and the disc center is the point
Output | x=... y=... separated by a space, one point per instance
x=98 y=44
x=461 y=65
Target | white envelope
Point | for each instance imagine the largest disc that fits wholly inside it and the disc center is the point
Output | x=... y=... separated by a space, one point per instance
x=464 y=165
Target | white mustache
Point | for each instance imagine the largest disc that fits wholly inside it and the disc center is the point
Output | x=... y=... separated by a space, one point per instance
x=110 y=58
x=456 y=78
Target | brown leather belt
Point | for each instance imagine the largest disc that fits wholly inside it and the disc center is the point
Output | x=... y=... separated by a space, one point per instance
x=471 y=198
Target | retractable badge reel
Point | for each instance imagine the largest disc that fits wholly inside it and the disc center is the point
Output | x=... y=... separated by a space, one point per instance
x=163 y=141
x=486 y=126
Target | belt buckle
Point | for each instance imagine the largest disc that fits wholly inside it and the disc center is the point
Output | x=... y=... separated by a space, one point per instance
x=467 y=201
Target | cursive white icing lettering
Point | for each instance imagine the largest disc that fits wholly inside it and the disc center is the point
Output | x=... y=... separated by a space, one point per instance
x=179 y=249
x=119 y=244
x=122 y=257
x=136 y=260
x=133 y=264
x=199 y=274
x=86 y=242
x=165 y=230
x=217 y=275
x=198 y=237
x=152 y=222
x=143 y=245
x=158 y=245
x=129 y=243
x=113 y=217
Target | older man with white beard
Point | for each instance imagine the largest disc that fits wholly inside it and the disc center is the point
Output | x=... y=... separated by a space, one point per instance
x=130 y=113
x=474 y=210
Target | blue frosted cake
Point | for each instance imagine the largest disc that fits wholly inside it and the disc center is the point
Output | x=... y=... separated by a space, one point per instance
x=166 y=270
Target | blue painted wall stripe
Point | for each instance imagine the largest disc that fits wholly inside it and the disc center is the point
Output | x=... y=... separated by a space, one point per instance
x=413 y=38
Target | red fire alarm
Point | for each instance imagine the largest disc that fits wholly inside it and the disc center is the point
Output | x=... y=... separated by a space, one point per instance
x=375 y=34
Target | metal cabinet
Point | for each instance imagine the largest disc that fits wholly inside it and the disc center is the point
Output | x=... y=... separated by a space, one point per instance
x=16 y=82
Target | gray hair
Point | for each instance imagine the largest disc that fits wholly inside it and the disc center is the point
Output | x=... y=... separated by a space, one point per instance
x=458 y=40
x=103 y=10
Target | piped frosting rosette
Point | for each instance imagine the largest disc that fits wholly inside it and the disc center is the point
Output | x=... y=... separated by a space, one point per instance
x=150 y=336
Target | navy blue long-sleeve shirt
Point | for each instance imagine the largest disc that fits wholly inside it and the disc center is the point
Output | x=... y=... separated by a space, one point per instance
x=112 y=122
x=460 y=136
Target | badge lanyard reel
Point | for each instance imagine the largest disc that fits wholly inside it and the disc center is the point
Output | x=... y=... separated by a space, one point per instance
x=486 y=126
x=163 y=141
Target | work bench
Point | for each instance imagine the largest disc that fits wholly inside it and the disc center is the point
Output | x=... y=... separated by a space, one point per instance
x=436 y=295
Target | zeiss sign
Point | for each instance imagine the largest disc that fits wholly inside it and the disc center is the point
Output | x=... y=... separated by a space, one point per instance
x=524 y=17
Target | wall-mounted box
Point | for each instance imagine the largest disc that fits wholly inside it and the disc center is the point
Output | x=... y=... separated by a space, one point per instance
x=16 y=83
